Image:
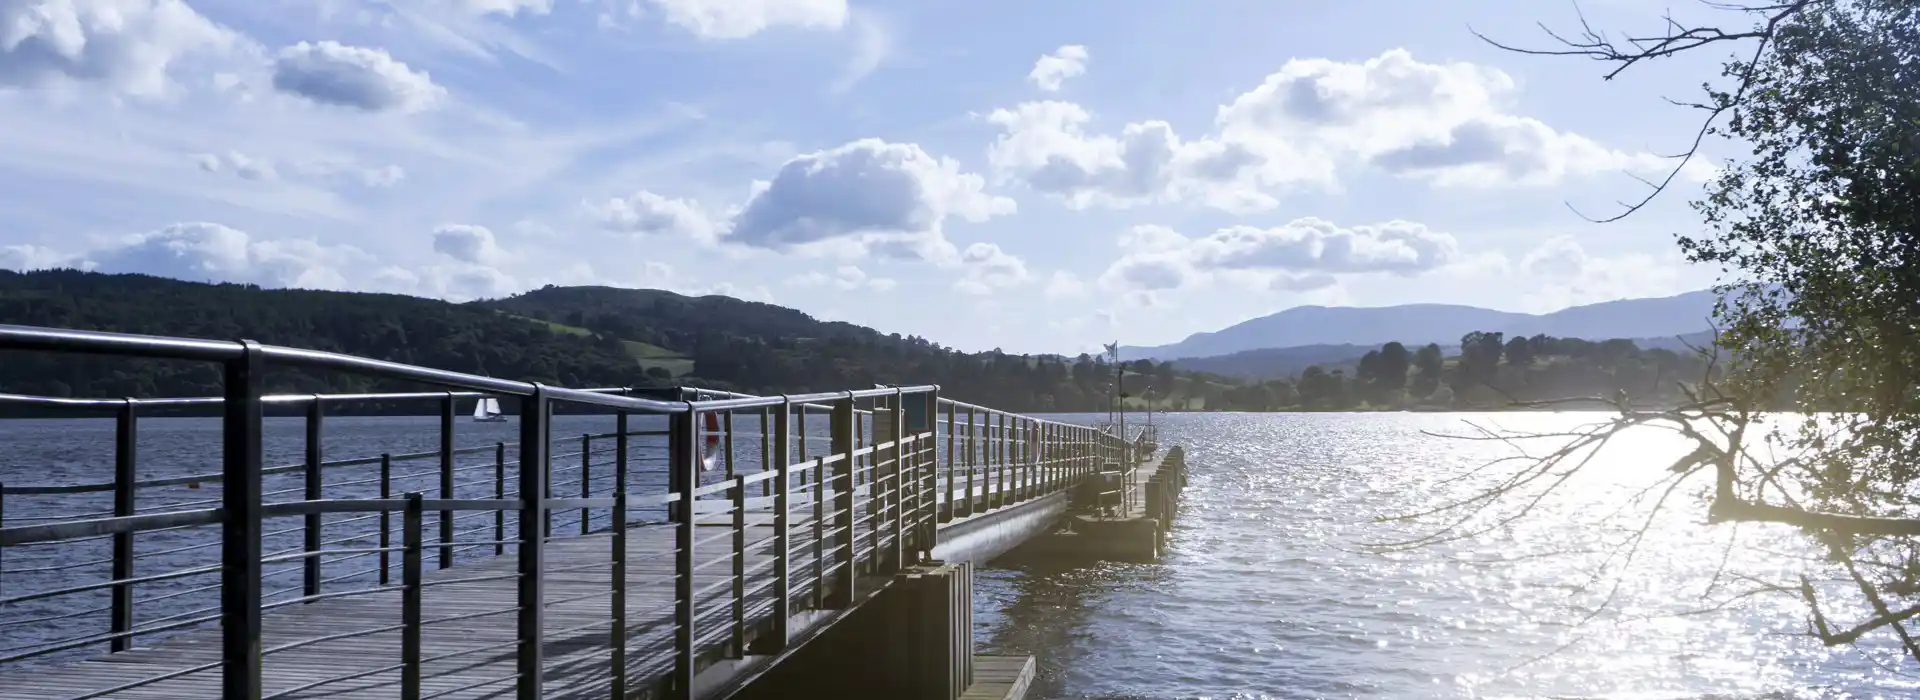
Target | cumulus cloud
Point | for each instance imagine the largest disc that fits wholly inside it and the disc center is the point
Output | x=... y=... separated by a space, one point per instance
x=646 y=213
x=351 y=76
x=1302 y=254
x=868 y=196
x=845 y=277
x=126 y=45
x=985 y=268
x=468 y=244
x=26 y=258
x=205 y=251
x=1047 y=146
x=1447 y=123
x=736 y=19
x=1311 y=244
x=1055 y=68
x=1563 y=273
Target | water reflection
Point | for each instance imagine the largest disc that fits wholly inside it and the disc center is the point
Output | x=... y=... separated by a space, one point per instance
x=1266 y=591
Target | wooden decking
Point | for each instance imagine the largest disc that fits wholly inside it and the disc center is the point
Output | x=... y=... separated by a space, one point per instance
x=1000 y=678
x=469 y=628
x=578 y=630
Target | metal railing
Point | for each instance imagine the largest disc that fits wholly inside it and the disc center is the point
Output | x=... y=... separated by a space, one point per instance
x=860 y=489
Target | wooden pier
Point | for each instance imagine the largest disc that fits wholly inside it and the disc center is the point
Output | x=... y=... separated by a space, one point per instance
x=759 y=552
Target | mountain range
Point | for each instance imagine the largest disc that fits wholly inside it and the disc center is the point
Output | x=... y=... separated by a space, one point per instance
x=1320 y=331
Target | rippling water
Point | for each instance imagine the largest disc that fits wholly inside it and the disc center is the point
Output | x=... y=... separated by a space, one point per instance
x=1267 y=591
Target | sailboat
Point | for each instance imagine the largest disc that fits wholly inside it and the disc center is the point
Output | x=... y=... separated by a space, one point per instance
x=487 y=410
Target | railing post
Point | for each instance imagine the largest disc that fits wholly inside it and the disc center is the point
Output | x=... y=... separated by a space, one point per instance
x=531 y=523
x=953 y=423
x=126 y=451
x=499 y=494
x=842 y=425
x=683 y=465
x=973 y=453
x=586 y=481
x=929 y=451
x=766 y=448
x=315 y=490
x=1023 y=460
x=446 y=479
x=1002 y=445
x=413 y=541
x=738 y=648
x=240 y=528
x=619 y=525
x=820 y=514
x=782 y=535
x=3 y=523
x=386 y=517
x=897 y=497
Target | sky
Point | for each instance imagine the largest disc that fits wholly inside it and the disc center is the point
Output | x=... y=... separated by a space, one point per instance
x=1031 y=176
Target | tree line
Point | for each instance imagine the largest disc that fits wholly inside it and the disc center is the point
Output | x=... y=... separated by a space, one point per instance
x=1490 y=371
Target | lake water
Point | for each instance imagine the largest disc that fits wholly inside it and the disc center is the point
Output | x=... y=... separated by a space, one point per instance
x=1268 y=590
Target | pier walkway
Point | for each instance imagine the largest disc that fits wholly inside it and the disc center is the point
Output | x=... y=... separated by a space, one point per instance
x=702 y=539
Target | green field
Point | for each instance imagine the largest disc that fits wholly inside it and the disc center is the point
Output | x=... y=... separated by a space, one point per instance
x=646 y=355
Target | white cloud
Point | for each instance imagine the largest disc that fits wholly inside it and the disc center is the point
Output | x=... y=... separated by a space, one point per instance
x=646 y=213
x=469 y=244
x=1065 y=285
x=352 y=76
x=985 y=268
x=1448 y=123
x=243 y=165
x=844 y=277
x=127 y=45
x=736 y=19
x=1055 y=68
x=1302 y=254
x=1316 y=245
x=868 y=196
x=1561 y=273
x=211 y=252
x=872 y=43
x=26 y=258
x=1046 y=145
x=1445 y=123
x=758 y=293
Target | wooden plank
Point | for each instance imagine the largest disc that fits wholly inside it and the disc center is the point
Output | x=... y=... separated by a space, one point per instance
x=467 y=638
x=1000 y=678
x=462 y=644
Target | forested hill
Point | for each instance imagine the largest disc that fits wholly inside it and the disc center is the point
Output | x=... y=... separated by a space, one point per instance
x=391 y=327
x=577 y=336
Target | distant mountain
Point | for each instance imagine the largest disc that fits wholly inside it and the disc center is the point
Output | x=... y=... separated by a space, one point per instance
x=1275 y=363
x=1419 y=324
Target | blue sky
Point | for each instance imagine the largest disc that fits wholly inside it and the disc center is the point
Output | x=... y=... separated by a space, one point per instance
x=1035 y=176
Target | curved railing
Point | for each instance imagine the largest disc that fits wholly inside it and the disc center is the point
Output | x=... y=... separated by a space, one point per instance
x=803 y=493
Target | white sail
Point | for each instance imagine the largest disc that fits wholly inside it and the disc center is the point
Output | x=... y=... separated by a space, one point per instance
x=487 y=410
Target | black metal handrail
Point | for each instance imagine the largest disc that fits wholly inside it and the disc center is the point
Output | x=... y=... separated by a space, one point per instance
x=871 y=501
